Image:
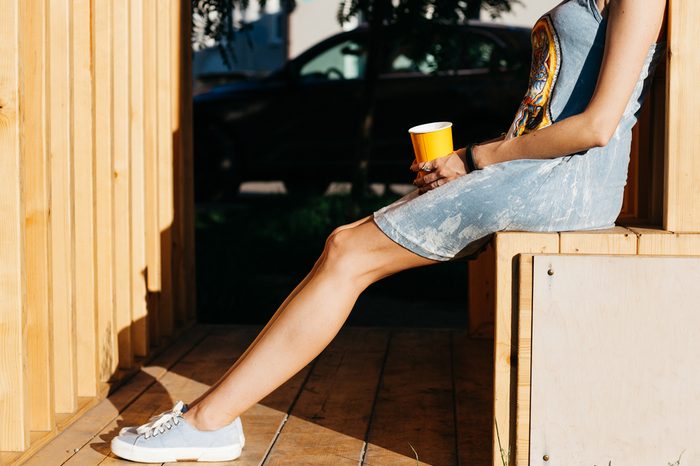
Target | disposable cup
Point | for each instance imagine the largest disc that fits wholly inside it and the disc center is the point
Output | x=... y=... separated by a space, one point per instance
x=431 y=140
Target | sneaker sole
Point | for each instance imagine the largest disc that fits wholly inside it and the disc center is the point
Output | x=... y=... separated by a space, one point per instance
x=165 y=455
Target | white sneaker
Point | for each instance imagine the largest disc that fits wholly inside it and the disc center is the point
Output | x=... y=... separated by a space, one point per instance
x=169 y=438
x=236 y=423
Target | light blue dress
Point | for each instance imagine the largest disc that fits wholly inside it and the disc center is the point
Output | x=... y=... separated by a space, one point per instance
x=581 y=191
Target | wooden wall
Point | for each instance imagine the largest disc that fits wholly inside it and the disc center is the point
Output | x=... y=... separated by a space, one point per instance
x=96 y=197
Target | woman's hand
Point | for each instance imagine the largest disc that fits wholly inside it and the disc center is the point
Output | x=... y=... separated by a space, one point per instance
x=440 y=170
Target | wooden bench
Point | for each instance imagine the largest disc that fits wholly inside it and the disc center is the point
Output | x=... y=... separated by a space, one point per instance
x=494 y=284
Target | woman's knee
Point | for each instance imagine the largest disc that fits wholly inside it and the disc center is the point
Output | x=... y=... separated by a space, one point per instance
x=345 y=253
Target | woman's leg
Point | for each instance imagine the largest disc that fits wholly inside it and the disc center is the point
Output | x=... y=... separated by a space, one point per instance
x=276 y=314
x=355 y=256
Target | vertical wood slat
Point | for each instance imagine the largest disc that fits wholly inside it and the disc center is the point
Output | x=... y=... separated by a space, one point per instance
x=176 y=76
x=102 y=62
x=524 y=366
x=150 y=109
x=188 y=162
x=60 y=150
x=35 y=197
x=121 y=189
x=101 y=148
x=139 y=309
x=682 y=191
x=14 y=429
x=165 y=165
x=508 y=246
x=83 y=201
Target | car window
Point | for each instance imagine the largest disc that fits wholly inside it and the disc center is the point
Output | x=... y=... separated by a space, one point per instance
x=345 y=60
x=477 y=52
x=444 y=53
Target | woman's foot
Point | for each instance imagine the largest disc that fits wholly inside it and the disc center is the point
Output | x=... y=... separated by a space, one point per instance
x=168 y=437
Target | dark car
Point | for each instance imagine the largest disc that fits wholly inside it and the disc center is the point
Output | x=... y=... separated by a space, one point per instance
x=302 y=123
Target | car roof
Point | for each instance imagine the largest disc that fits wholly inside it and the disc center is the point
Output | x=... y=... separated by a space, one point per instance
x=516 y=36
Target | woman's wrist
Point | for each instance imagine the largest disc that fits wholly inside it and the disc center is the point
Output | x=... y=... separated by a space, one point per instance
x=487 y=153
x=469 y=157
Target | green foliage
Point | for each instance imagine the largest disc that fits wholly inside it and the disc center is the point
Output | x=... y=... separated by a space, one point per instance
x=214 y=18
x=409 y=12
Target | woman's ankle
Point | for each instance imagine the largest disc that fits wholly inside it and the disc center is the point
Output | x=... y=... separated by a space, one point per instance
x=202 y=419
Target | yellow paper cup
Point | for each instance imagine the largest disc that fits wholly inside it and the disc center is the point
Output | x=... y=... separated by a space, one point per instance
x=431 y=140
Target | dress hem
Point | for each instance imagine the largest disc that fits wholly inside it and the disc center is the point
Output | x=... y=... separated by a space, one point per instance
x=395 y=235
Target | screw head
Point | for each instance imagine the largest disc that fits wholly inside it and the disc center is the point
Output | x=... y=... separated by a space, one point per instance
x=545 y=457
x=550 y=272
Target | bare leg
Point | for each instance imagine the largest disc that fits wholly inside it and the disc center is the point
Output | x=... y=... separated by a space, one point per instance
x=274 y=317
x=354 y=257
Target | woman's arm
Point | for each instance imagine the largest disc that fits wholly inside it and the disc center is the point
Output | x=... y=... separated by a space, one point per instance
x=632 y=28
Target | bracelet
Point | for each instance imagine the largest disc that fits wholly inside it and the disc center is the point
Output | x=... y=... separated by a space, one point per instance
x=470 y=158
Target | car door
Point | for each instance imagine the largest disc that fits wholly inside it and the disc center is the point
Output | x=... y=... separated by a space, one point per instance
x=457 y=77
x=318 y=117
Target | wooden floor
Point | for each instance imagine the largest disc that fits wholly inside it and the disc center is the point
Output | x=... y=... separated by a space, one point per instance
x=366 y=400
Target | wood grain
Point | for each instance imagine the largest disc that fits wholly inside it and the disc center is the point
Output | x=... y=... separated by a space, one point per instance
x=104 y=233
x=522 y=402
x=329 y=421
x=61 y=231
x=682 y=191
x=137 y=182
x=150 y=109
x=177 y=71
x=614 y=365
x=84 y=202
x=508 y=245
x=35 y=196
x=14 y=426
x=121 y=172
x=472 y=369
x=482 y=286
x=188 y=214
x=415 y=411
x=165 y=164
x=615 y=240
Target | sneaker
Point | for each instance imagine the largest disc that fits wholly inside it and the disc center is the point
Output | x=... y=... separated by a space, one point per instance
x=236 y=423
x=167 y=437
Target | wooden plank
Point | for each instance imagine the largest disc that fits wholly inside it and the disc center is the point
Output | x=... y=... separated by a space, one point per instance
x=14 y=426
x=139 y=309
x=507 y=246
x=188 y=165
x=84 y=201
x=616 y=240
x=176 y=74
x=682 y=192
x=150 y=109
x=482 y=285
x=661 y=242
x=614 y=360
x=35 y=195
x=102 y=59
x=76 y=437
x=165 y=165
x=647 y=157
x=472 y=362
x=121 y=189
x=61 y=230
x=187 y=380
x=522 y=402
x=330 y=419
x=419 y=413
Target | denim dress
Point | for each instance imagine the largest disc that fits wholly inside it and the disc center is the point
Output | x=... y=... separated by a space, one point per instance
x=579 y=191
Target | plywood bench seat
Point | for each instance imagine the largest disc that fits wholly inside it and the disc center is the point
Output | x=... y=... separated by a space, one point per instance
x=493 y=287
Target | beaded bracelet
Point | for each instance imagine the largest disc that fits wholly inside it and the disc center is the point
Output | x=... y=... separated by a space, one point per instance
x=470 y=158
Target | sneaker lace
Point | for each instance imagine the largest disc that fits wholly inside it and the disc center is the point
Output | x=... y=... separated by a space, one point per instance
x=165 y=420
